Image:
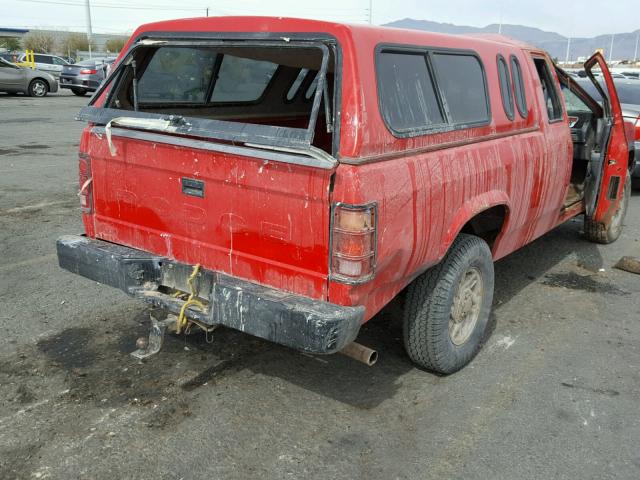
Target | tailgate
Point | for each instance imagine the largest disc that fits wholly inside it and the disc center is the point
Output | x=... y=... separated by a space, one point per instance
x=260 y=220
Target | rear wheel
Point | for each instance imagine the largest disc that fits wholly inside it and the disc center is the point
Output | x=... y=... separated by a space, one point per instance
x=599 y=232
x=38 y=88
x=447 y=308
x=81 y=92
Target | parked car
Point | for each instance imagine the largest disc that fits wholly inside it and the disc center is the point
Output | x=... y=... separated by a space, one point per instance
x=47 y=63
x=9 y=57
x=35 y=83
x=629 y=96
x=85 y=76
x=273 y=176
x=629 y=73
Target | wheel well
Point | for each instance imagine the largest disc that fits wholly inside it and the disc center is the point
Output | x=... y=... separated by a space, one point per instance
x=487 y=224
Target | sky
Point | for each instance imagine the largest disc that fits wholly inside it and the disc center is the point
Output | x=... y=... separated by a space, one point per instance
x=575 y=18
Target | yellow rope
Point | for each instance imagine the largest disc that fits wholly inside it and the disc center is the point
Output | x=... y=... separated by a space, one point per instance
x=182 y=320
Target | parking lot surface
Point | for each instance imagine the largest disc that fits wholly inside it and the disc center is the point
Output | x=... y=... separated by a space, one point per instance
x=553 y=394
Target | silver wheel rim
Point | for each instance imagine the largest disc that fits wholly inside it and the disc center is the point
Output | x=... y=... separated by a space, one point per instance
x=466 y=306
x=39 y=89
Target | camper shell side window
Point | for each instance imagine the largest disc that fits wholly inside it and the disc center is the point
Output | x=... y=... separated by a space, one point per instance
x=426 y=90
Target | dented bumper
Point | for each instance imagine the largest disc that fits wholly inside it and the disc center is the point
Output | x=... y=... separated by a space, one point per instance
x=293 y=320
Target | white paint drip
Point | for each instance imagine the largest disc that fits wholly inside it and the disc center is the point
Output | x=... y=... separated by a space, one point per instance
x=506 y=342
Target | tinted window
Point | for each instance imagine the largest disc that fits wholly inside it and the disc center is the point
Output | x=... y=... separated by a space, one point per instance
x=177 y=74
x=461 y=81
x=59 y=61
x=295 y=86
x=407 y=94
x=518 y=85
x=43 y=59
x=505 y=87
x=549 y=92
x=242 y=79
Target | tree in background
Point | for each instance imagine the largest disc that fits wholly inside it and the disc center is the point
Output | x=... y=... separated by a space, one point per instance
x=10 y=43
x=72 y=42
x=39 y=42
x=114 y=45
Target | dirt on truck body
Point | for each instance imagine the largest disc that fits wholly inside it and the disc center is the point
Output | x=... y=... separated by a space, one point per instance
x=288 y=178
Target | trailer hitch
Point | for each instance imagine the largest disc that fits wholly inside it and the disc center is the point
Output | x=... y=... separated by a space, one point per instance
x=148 y=347
x=152 y=345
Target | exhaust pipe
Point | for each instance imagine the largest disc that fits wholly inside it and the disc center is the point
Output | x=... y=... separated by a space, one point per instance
x=360 y=353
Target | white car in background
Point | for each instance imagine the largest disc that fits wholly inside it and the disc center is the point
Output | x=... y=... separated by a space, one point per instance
x=47 y=63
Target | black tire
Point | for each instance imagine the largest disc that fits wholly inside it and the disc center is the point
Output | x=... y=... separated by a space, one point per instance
x=428 y=308
x=38 y=88
x=81 y=92
x=635 y=183
x=600 y=233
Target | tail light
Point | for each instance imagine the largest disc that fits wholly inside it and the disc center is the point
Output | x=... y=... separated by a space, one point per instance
x=353 y=242
x=86 y=183
x=88 y=71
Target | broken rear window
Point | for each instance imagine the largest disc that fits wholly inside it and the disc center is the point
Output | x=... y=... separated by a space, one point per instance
x=242 y=79
x=177 y=75
x=257 y=84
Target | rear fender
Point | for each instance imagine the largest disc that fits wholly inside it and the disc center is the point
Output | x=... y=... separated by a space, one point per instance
x=470 y=209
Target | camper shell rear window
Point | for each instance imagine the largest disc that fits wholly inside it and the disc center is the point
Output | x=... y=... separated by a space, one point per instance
x=227 y=90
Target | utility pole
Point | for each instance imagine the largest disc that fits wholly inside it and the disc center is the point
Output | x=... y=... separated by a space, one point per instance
x=89 y=33
x=566 y=60
x=635 y=54
x=370 y=12
x=611 y=48
x=500 y=24
x=207 y=11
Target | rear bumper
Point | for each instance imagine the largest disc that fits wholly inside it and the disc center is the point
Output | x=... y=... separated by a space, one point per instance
x=293 y=320
x=78 y=82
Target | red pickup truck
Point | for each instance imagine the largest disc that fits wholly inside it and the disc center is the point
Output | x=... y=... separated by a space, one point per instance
x=288 y=178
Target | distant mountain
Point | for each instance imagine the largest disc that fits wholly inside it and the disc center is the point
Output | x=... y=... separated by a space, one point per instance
x=556 y=44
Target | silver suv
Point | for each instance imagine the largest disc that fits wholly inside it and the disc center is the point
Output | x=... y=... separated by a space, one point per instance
x=47 y=63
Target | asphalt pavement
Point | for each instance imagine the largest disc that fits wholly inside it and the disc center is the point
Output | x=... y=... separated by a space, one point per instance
x=555 y=392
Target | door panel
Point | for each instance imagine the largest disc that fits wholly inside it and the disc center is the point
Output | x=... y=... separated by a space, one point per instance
x=11 y=77
x=608 y=167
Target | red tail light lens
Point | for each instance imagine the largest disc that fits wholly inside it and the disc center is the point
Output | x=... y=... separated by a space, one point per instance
x=353 y=243
x=85 y=183
x=88 y=71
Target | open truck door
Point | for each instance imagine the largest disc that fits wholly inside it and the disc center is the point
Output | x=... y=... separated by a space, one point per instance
x=607 y=172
